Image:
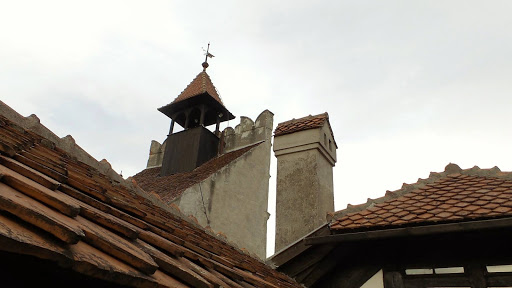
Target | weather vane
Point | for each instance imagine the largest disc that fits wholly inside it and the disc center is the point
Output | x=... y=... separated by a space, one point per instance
x=207 y=54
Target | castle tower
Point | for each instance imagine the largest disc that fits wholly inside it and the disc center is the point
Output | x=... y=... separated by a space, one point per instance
x=198 y=106
x=218 y=179
x=306 y=153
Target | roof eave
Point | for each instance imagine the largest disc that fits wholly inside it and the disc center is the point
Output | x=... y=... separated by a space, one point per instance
x=172 y=108
x=411 y=231
x=296 y=248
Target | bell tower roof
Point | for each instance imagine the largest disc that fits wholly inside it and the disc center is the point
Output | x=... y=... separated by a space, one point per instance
x=199 y=92
x=201 y=84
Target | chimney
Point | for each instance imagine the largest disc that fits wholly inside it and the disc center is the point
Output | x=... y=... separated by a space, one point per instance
x=306 y=153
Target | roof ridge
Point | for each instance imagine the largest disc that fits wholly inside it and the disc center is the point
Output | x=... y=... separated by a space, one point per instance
x=451 y=170
x=207 y=77
x=66 y=143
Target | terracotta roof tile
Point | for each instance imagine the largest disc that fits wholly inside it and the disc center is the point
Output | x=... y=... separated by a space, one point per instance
x=170 y=187
x=466 y=195
x=436 y=211
x=70 y=213
x=444 y=214
x=304 y=123
x=201 y=84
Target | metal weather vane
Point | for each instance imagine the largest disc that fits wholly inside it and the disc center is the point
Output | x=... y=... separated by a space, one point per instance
x=207 y=55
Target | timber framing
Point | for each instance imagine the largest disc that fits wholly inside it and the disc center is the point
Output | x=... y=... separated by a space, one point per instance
x=474 y=275
x=351 y=263
x=444 y=231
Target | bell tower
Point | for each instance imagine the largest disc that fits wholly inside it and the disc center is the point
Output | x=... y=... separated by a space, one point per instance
x=197 y=107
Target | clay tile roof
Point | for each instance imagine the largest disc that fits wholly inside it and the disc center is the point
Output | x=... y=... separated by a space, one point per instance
x=170 y=187
x=451 y=196
x=56 y=208
x=201 y=84
x=304 y=123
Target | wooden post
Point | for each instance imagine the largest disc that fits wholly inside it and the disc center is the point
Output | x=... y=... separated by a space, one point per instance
x=201 y=120
x=476 y=276
x=217 y=126
x=187 y=120
x=393 y=279
x=172 y=127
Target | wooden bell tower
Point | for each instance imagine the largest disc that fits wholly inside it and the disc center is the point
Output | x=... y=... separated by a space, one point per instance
x=197 y=107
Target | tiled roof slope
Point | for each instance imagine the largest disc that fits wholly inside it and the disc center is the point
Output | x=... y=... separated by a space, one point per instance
x=201 y=84
x=451 y=196
x=304 y=123
x=170 y=187
x=57 y=208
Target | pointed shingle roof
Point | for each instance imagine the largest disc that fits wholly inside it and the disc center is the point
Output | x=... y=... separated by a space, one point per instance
x=199 y=91
x=200 y=85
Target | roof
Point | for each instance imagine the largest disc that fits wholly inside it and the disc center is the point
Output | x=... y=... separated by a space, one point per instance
x=454 y=195
x=304 y=123
x=170 y=187
x=437 y=212
x=57 y=208
x=201 y=84
x=199 y=92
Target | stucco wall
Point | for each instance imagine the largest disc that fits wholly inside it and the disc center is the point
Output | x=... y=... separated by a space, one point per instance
x=305 y=140
x=234 y=200
x=304 y=188
x=304 y=195
x=248 y=132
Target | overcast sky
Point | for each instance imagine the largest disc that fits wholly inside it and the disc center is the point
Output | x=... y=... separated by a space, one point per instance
x=409 y=86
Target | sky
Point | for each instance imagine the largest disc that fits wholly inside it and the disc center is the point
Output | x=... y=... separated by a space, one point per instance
x=409 y=86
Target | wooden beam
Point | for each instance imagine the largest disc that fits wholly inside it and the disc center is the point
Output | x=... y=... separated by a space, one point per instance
x=295 y=249
x=410 y=231
x=476 y=275
x=353 y=277
x=393 y=279
x=307 y=259
x=499 y=280
x=172 y=127
x=436 y=281
x=326 y=265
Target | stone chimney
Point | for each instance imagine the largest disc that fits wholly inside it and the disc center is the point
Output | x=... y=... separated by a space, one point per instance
x=306 y=153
